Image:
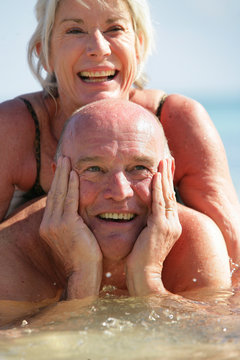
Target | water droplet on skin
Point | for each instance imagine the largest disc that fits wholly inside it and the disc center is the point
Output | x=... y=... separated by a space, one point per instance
x=24 y=323
x=108 y=275
x=194 y=280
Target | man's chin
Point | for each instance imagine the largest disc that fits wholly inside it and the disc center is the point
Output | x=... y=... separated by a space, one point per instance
x=116 y=248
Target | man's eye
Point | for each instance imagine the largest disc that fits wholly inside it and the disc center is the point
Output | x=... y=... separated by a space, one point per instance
x=140 y=167
x=94 y=169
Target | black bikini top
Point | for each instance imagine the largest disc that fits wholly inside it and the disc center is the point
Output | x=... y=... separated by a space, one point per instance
x=36 y=190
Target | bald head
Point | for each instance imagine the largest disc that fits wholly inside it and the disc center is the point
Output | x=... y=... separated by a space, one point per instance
x=107 y=118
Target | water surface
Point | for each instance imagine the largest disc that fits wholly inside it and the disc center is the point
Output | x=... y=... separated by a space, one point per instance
x=129 y=328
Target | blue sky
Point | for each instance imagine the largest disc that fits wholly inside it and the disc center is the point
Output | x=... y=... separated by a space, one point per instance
x=197 y=47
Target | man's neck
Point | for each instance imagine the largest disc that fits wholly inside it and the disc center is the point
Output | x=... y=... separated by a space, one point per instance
x=114 y=275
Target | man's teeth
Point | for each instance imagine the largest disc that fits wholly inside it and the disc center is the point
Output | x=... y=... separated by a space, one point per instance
x=117 y=216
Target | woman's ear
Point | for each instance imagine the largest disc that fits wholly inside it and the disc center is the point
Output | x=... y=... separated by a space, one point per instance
x=40 y=55
x=139 y=48
x=38 y=48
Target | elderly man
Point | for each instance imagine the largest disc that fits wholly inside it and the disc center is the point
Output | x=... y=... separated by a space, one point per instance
x=111 y=218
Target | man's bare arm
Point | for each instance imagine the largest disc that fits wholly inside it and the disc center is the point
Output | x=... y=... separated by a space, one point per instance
x=27 y=273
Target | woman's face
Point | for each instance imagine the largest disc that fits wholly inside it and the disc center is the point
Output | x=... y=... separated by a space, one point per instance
x=93 y=53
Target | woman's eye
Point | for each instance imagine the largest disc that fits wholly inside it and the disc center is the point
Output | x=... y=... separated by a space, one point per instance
x=75 y=31
x=115 y=29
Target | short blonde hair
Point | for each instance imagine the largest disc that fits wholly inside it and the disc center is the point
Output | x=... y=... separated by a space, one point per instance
x=45 y=15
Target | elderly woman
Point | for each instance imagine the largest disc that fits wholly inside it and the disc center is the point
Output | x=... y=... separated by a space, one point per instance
x=86 y=50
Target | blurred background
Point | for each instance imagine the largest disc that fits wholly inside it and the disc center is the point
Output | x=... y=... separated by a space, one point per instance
x=197 y=54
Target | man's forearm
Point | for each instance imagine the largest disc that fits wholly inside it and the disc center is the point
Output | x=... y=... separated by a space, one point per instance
x=84 y=283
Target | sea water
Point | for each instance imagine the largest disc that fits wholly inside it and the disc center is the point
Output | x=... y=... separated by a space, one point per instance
x=147 y=328
x=167 y=328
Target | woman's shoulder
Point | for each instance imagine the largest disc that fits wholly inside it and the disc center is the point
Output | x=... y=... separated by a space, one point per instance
x=148 y=98
x=183 y=111
x=174 y=107
x=15 y=117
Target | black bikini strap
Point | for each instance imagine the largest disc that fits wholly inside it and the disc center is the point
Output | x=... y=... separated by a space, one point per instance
x=159 y=109
x=37 y=189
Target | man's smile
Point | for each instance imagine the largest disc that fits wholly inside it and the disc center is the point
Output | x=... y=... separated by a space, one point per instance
x=117 y=216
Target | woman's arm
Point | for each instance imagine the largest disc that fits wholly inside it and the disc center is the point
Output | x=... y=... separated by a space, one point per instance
x=202 y=173
x=17 y=159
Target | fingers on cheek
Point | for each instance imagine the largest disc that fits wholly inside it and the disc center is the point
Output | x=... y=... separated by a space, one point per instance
x=167 y=181
x=157 y=188
x=73 y=181
x=143 y=190
x=170 y=173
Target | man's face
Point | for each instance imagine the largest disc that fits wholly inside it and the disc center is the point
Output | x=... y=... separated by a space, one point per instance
x=116 y=159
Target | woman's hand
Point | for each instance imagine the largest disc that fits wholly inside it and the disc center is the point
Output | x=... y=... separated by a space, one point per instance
x=145 y=262
x=71 y=241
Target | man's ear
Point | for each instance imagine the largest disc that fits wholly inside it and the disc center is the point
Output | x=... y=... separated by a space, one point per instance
x=54 y=166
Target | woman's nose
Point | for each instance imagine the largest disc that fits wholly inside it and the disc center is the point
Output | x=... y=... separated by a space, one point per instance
x=118 y=187
x=98 y=46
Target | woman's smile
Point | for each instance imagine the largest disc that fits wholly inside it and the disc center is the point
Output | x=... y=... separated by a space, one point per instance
x=97 y=76
x=96 y=44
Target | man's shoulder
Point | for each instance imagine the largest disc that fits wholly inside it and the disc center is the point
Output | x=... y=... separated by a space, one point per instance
x=31 y=210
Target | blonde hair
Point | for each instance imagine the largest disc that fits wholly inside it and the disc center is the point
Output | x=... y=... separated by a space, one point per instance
x=45 y=14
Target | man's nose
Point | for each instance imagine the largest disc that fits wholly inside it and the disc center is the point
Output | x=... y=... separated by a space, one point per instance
x=118 y=187
x=98 y=46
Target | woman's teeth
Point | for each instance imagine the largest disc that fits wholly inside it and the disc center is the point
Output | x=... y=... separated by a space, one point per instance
x=117 y=216
x=97 y=76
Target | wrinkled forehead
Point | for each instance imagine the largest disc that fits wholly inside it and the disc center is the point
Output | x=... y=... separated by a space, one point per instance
x=126 y=126
x=89 y=4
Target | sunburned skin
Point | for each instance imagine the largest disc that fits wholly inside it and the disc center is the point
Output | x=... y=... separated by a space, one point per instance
x=117 y=169
x=111 y=219
x=95 y=53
